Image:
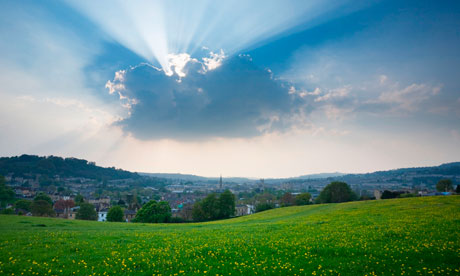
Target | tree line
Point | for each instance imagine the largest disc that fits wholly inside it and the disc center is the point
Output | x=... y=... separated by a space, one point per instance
x=64 y=167
x=212 y=207
x=334 y=192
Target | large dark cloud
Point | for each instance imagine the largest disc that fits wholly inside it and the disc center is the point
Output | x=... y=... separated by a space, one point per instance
x=236 y=99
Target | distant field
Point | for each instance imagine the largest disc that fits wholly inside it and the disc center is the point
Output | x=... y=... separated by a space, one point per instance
x=413 y=236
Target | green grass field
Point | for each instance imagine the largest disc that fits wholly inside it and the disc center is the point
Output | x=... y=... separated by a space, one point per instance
x=413 y=236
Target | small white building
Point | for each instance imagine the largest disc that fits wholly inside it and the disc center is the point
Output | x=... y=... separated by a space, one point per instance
x=243 y=210
x=378 y=194
x=102 y=215
x=251 y=209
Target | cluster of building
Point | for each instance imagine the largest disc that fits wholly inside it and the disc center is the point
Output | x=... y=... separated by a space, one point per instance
x=181 y=195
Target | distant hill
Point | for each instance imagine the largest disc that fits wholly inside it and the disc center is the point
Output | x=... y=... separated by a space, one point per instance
x=409 y=176
x=64 y=167
x=413 y=175
x=444 y=169
x=191 y=177
x=177 y=176
x=315 y=176
x=319 y=175
x=73 y=167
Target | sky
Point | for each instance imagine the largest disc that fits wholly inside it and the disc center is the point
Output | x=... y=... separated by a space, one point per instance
x=233 y=88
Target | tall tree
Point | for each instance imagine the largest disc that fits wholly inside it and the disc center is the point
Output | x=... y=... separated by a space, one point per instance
x=210 y=205
x=121 y=203
x=226 y=205
x=6 y=193
x=198 y=213
x=45 y=197
x=187 y=212
x=64 y=204
x=287 y=199
x=336 y=192
x=79 y=199
x=444 y=185
x=86 y=212
x=213 y=207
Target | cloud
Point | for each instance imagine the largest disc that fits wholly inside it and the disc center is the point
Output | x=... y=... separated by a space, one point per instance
x=390 y=98
x=336 y=113
x=383 y=79
x=305 y=93
x=215 y=60
x=333 y=93
x=214 y=97
x=379 y=97
x=408 y=98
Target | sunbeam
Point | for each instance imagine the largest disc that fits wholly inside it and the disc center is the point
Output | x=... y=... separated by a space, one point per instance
x=154 y=29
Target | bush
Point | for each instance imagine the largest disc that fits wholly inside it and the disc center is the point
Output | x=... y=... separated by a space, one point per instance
x=42 y=208
x=366 y=197
x=303 y=199
x=264 y=206
x=177 y=220
x=115 y=214
x=7 y=211
x=389 y=194
x=154 y=212
x=407 y=195
x=23 y=204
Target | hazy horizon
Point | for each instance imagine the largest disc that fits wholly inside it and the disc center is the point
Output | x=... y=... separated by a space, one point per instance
x=242 y=176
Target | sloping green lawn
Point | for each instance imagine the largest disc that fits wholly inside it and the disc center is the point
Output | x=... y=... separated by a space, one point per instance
x=413 y=236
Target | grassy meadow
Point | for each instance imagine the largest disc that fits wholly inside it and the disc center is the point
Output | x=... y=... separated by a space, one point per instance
x=413 y=236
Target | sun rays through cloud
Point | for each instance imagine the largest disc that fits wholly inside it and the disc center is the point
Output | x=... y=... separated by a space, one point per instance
x=212 y=97
x=156 y=29
x=275 y=87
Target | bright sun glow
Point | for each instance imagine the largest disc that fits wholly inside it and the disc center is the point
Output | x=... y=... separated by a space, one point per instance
x=155 y=30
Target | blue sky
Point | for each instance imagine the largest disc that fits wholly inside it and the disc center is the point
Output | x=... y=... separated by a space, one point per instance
x=239 y=88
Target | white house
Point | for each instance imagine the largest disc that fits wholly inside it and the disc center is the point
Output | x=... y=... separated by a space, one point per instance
x=243 y=210
x=102 y=215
